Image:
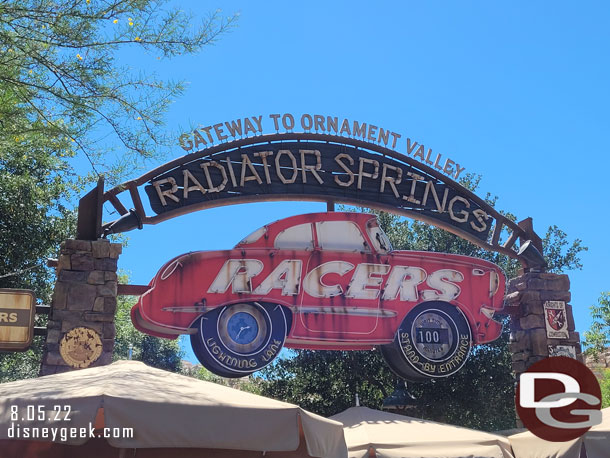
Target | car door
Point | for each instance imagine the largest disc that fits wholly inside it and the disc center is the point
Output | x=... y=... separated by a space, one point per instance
x=341 y=288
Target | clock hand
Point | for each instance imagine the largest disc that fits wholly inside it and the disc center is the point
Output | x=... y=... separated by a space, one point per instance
x=240 y=330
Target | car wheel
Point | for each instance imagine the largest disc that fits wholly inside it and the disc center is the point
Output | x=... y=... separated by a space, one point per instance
x=393 y=357
x=433 y=341
x=237 y=340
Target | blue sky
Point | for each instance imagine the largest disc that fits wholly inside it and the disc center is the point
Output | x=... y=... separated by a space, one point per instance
x=515 y=91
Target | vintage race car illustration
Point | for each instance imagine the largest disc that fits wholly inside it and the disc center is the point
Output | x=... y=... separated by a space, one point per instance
x=325 y=281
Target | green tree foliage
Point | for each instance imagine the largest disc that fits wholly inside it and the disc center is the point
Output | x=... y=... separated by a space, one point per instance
x=21 y=365
x=251 y=384
x=597 y=338
x=64 y=95
x=59 y=60
x=326 y=382
x=605 y=386
x=597 y=342
x=35 y=189
x=560 y=254
x=480 y=396
x=154 y=351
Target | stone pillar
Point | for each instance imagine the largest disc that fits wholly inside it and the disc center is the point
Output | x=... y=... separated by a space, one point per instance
x=530 y=341
x=85 y=296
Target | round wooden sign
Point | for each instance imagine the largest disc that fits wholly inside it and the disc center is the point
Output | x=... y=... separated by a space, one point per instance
x=80 y=347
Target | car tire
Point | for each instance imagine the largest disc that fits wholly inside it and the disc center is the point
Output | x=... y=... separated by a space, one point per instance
x=433 y=341
x=394 y=358
x=239 y=339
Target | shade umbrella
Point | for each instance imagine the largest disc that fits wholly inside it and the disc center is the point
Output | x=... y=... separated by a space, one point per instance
x=166 y=410
x=370 y=433
x=597 y=439
x=527 y=445
x=596 y=443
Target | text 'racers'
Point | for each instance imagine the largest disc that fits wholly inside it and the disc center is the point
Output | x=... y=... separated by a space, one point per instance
x=325 y=281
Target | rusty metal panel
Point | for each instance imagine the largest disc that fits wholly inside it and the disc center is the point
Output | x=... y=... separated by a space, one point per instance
x=340 y=172
x=89 y=224
x=338 y=299
x=17 y=310
x=131 y=290
x=259 y=174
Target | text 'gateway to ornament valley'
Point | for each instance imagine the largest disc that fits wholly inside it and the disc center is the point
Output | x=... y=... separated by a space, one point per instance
x=205 y=136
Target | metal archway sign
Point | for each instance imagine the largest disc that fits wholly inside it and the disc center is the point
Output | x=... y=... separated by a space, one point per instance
x=266 y=293
x=308 y=167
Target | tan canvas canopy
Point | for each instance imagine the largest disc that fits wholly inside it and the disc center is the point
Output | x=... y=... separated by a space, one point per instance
x=392 y=436
x=171 y=411
x=596 y=441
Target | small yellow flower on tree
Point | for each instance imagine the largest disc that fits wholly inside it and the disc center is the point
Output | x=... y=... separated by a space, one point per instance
x=71 y=95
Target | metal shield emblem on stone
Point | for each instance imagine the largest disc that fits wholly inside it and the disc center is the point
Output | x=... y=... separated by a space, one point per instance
x=556 y=318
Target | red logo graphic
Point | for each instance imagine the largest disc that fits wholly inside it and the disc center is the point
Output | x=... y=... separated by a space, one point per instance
x=558 y=399
x=556 y=318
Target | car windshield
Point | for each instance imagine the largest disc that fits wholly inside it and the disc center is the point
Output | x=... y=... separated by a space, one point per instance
x=254 y=236
x=380 y=240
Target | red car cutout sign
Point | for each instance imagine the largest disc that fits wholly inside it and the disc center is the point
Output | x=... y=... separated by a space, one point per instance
x=325 y=281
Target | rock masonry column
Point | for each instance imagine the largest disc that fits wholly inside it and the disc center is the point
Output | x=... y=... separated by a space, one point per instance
x=542 y=323
x=81 y=327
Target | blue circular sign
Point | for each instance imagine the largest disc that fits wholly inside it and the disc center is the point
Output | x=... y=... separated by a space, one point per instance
x=242 y=328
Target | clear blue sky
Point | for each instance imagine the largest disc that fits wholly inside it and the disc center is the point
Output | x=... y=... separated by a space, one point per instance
x=515 y=91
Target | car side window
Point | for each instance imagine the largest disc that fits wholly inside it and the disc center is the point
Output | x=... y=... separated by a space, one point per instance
x=341 y=236
x=299 y=237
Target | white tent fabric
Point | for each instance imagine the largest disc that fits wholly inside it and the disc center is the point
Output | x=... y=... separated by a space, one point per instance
x=394 y=436
x=527 y=445
x=596 y=440
x=169 y=410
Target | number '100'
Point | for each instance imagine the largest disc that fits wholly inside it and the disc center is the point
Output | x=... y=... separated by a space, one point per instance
x=432 y=336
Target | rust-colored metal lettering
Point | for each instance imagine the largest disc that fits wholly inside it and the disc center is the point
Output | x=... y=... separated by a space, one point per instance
x=319 y=167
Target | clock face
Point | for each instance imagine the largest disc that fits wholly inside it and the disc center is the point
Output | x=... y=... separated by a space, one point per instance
x=243 y=329
x=80 y=347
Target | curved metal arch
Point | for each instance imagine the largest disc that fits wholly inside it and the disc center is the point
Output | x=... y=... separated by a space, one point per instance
x=137 y=217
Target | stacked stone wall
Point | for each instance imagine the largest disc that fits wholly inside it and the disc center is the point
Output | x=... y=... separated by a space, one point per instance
x=85 y=296
x=526 y=296
x=530 y=338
